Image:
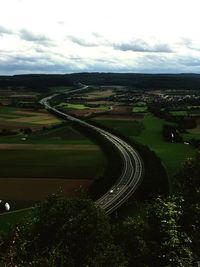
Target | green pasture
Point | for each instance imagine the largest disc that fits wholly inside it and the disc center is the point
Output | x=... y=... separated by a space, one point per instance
x=149 y=133
x=171 y=154
x=71 y=163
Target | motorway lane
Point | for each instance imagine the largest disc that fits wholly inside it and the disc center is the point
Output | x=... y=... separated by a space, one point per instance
x=132 y=171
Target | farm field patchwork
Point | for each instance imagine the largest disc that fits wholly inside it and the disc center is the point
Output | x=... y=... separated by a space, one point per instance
x=51 y=135
x=16 y=118
x=81 y=106
x=42 y=169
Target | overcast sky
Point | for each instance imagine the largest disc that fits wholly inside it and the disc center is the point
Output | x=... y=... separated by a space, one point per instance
x=64 y=36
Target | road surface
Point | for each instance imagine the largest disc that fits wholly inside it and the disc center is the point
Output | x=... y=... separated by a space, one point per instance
x=132 y=171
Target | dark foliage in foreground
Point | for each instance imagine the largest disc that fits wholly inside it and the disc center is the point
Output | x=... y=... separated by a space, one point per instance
x=74 y=233
x=62 y=232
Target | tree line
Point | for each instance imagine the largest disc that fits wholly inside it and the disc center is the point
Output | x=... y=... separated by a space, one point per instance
x=41 y=82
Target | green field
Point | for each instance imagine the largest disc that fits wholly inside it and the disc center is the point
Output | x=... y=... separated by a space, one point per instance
x=138 y=109
x=61 y=135
x=172 y=154
x=81 y=106
x=130 y=128
x=193 y=133
x=11 y=113
x=179 y=113
x=57 y=163
x=149 y=133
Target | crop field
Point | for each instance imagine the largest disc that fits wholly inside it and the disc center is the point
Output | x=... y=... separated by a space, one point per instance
x=192 y=111
x=82 y=106
x=48 y=159
x=39 y=170
x=28 y=191
x=99 y=94
x=16 y=118
x=141 y=109
x=179 y=113
x=31 y=161
x=59 y=135
x=83 y=110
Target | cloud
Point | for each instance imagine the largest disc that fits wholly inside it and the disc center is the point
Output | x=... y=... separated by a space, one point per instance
x=36 y=38
x=139 y=45
x=82 y=42
x=30 y=64
x=4 y=30
x=190 y=44
x=189 y=61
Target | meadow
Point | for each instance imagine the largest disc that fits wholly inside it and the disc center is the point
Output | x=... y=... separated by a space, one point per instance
x=148 y=132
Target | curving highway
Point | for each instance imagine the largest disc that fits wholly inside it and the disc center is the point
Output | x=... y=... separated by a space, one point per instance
x=132 y=171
